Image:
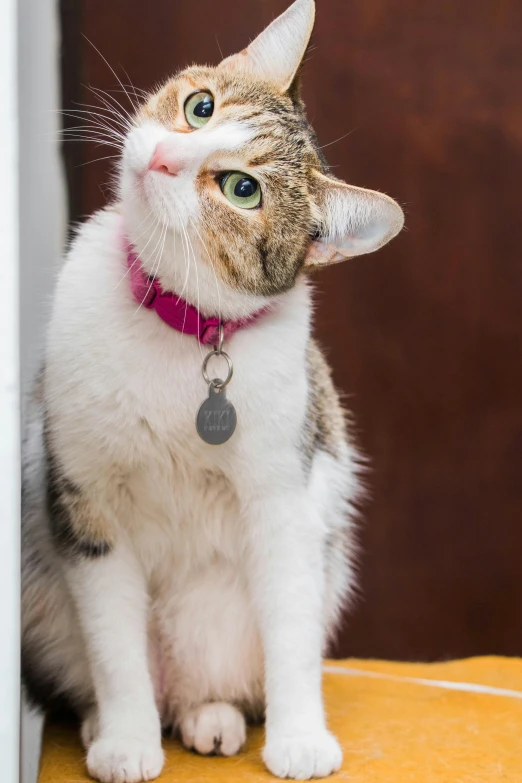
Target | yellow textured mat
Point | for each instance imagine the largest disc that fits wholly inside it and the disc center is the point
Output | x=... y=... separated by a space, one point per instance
x=457 y=722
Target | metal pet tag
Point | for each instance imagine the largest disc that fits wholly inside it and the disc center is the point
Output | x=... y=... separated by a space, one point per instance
x=216 y=419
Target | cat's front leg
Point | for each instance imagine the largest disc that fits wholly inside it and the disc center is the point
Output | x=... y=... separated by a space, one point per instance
x=111 y=597
x=287 y=582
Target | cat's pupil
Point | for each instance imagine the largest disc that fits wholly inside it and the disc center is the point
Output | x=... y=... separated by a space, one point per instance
x=245 y=188
x=204 y=108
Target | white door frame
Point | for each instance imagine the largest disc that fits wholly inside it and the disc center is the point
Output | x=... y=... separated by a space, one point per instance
x=9 y=404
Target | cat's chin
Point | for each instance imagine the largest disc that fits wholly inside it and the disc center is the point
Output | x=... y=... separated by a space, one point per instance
x=153 y=206
x=183 y=266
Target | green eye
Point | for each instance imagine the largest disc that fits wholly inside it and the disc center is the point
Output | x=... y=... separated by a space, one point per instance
x=199 y=108
x=241 y=190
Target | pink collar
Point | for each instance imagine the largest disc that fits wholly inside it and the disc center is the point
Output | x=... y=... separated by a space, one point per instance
x=176 y=312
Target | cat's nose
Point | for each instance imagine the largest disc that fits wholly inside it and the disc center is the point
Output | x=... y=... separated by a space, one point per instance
x=165 y=160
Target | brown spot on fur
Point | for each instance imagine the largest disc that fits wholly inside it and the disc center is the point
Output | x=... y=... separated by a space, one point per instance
x=261 y=160
x=324 y=427
x=79 y=529
x=77 y=525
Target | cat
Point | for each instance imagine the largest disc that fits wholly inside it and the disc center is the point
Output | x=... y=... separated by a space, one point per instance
x=181 y=575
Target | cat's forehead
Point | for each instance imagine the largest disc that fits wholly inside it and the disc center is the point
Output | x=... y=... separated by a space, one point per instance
x=276 y=122
x=231 y=90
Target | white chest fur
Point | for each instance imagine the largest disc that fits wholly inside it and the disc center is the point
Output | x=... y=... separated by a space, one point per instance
x=129 y=386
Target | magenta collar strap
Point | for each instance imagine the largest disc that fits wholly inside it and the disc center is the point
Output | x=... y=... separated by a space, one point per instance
x=176 y=312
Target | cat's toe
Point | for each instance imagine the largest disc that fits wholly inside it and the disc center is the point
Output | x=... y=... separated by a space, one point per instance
x=216 y=727
x=124 y=760
x=302 y=756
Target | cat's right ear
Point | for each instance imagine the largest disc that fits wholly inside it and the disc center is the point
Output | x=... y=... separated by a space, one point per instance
x=276 y=54
x=351 y=221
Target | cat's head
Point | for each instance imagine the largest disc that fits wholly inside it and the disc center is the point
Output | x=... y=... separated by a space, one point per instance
x=223 y=188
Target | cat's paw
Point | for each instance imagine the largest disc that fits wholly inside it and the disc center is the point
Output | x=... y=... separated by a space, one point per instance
x=303 y=755
x=216 y=727
x=124 y=760
x=89 y=730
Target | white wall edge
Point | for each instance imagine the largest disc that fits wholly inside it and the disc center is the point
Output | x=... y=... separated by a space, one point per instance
x=9 y=405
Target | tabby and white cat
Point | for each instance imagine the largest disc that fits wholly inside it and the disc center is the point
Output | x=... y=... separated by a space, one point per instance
x=168 y=582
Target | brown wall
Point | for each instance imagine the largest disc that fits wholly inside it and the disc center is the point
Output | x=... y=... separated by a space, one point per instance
x=426 y=336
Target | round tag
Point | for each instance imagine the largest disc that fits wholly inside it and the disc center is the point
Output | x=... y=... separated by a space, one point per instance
x=216 y=419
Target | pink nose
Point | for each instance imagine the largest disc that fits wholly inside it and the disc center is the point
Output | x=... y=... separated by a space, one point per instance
x=164 y=160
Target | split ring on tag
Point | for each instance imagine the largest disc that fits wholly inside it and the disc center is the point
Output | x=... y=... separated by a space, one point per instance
x=216 y=352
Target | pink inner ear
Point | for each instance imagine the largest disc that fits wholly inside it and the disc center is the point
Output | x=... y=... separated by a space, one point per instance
x=320 y=254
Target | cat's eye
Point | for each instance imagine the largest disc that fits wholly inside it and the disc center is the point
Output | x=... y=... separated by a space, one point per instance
x=242 y=190
x=199 y=108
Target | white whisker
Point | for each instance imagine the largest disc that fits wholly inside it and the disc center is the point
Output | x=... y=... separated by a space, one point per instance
x=155 y=264
x=197 y=283
x=144 y=93
x=336 y=140
x=104 y=157
x=97 y=128
x=97 y=142
x=111 y=116
x=149 y=213
x=100 y=94
x=187 y=271
x=188 y=266
x=132 y=87
x=212 y=265
x=187 y=245
x=111 y=68
x=139 y=255
x=156 y=269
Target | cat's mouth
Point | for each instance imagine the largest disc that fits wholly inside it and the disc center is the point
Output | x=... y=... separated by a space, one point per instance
x=170 y=198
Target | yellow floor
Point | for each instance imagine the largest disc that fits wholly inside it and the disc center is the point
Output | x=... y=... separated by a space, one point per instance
x=392 y=730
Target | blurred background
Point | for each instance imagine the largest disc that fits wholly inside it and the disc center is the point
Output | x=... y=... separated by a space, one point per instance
x=420 y=99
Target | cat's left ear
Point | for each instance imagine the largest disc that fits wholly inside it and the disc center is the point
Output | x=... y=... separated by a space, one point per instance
x=276 y=54
x=351 y=221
